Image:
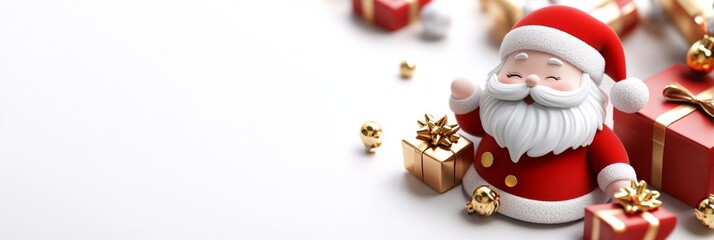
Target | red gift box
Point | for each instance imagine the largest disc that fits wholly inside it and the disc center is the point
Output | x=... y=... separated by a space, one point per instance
x=620 y=15
x=609 y=221
x=390 y=14
x=671 y=144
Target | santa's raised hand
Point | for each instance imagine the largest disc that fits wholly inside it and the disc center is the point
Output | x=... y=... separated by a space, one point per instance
x=462 y=88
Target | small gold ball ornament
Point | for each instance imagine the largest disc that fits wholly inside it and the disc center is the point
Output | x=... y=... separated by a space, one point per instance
x=370 y=134
x=705 y=211
x=484 y=201
x=699 y=57
x=407 y=69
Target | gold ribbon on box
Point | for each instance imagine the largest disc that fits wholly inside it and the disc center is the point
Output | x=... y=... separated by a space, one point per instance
x=614 y=14
x=676 y=93
x=368 y=10
x=689 y=16
x=413 y=10
x=635 y=200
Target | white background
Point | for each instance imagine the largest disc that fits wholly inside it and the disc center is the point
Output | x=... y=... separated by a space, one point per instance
x=235 y=120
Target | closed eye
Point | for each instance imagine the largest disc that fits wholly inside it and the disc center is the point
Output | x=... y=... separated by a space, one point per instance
x=556 y=78
x=514 y=74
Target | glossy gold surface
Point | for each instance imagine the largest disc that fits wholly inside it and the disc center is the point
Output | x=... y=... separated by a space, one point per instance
x=413 y=10
x=511 y=181
x=609 y=217
x=506 y=13
x=699 y=55
x=705 y=211
x=368 y=10
x=437 y=155
x=437 y=132
x=660 y=128
x=690 y=16
x=487 y=159
x=609 y=12
x=637 y=198
x=678 y=93
x=371 y=133
x=651 y=233
x=484 y=201
x=407 y=69
x=440 y=168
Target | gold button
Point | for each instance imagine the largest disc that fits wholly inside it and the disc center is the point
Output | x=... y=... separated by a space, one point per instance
x=511 y=181
x=487 y=159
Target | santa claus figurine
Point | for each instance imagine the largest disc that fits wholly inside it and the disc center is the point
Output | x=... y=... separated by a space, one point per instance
x=545 y=148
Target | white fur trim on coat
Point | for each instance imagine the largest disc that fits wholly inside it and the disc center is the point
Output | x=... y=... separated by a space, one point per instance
x=615 y=172
x=556 y=42
x=535 y=211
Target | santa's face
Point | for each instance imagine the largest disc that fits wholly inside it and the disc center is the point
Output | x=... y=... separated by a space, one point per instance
x=539 y=104
x=539 y=68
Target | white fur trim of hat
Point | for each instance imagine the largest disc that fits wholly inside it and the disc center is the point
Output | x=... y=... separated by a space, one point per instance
x=556 y=42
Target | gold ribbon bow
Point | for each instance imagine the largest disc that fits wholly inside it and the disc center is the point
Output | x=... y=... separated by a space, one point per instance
x=437 y=133
x=637 y=198
x=678 y=93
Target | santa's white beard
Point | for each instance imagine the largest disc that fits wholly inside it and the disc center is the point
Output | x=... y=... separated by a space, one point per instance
x=558 y=120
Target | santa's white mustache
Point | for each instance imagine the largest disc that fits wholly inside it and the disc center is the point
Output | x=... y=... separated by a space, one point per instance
x=542 y=95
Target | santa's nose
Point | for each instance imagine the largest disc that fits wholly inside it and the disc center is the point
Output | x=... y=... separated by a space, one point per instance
x=532 y=80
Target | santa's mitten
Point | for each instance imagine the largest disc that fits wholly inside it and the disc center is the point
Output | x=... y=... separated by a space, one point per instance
x=464 y=96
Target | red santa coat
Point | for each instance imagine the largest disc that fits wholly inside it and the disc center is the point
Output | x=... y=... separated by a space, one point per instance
x=556 y=188
x=546 y=189
x=570 y=174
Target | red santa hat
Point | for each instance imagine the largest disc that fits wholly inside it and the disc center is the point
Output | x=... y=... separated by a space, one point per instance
x=585 y=42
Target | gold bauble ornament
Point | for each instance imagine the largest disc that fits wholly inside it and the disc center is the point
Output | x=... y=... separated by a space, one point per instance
x=705 y=211
x=484 y=201
x=699 y=57
x=370 y=133
x=407 y=68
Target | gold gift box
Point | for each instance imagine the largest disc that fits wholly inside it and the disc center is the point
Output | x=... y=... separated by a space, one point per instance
x=438 y=167
x=620 y=15
x=690 y=16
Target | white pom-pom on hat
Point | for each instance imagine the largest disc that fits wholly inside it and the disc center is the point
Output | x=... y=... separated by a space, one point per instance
x=629 y=95
x=435 y=20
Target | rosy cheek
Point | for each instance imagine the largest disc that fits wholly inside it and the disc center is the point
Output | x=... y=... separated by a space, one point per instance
x=563 y=87
x=505 y=79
